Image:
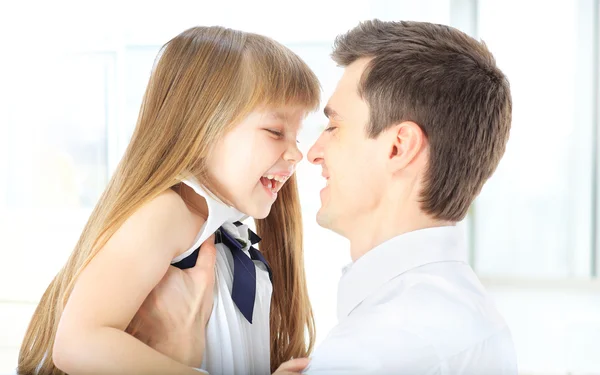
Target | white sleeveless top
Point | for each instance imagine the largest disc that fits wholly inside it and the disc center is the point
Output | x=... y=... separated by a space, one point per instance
x=234 y=346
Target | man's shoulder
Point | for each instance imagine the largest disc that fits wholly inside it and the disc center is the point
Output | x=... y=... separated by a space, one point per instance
x=450 y=311
x=432 y=317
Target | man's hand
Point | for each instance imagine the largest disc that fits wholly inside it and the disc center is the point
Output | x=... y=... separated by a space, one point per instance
x=173 y=317
x=292 y=367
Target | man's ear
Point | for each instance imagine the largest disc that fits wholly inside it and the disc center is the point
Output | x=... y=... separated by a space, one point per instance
x=406 y=141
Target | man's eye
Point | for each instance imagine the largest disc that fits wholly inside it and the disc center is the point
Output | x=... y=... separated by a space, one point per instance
x=330 y=128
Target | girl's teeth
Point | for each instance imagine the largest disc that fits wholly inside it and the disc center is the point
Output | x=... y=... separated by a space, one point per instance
x=276 y=178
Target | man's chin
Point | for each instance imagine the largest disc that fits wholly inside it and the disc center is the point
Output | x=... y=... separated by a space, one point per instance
x=323 y=218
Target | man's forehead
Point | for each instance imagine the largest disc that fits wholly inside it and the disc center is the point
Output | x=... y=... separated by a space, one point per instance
x=342 y=101
x=347 y=88
x=354 y=72
x=358 y=66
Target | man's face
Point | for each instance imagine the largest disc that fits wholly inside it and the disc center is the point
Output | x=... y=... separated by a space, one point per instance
x=352 y=163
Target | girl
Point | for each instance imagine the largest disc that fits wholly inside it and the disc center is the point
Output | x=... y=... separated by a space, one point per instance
x=215 y=141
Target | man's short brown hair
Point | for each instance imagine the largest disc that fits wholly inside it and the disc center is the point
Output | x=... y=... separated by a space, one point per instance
x=446 y=82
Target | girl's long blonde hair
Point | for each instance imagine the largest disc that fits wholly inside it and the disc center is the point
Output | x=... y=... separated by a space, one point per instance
x=205 y=81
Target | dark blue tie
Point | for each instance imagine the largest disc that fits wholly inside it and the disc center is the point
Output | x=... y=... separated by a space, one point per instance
x=243 y=292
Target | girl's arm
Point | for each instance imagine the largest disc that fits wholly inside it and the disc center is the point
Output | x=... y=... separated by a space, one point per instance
x=163 y=321
x=111 y=289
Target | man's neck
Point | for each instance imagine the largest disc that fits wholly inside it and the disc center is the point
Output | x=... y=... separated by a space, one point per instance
x=386 y=223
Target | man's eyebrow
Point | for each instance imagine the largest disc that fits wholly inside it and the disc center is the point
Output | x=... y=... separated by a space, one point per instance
x=330 y=112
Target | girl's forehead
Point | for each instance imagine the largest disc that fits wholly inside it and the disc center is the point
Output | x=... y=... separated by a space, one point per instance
x=288 y=114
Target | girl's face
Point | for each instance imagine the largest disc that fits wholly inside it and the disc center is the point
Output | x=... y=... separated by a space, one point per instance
x=253 y=161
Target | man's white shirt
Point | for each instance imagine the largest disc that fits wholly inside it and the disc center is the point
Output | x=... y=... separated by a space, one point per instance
x=412 y=305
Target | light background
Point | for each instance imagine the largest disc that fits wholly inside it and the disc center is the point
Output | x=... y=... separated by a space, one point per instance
x=72 y=74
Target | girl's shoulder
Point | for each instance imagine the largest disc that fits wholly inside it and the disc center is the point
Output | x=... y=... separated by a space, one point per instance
x=185 y=217
x=169 y=214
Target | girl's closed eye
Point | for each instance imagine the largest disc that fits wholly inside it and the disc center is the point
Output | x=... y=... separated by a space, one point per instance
x=276 y=133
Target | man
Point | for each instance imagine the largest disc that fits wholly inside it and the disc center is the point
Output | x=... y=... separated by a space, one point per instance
x=419 y=121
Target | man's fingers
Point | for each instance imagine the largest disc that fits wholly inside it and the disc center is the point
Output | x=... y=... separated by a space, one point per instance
x=205 y=264
x=293 y=366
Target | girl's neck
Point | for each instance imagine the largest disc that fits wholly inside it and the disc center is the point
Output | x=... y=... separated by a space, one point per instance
x=196 y=203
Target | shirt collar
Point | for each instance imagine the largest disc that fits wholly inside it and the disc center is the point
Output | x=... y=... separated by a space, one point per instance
x=219 y=213
x=395 y=257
